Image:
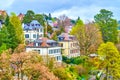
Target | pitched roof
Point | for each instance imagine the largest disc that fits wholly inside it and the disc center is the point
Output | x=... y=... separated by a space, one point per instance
x=32 y=25
x=66 y=36
x=44 y=42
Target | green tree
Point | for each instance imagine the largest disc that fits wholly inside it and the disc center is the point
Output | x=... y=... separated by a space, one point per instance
x=110 y=55
x=14 y=20
x=7 y=20
x=9 y=33
x=3 y=39
x=3 y=47
x=29 y=16
x=13 y=41
x=39 y=18
x=107 y=24
x=3 y=35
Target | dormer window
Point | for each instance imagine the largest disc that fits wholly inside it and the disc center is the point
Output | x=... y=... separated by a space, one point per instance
x=32 y=24
x=36 y=24
x=28 y=24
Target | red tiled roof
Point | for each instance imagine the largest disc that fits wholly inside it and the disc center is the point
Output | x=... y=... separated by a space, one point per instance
x=44 y=42
x=31 y=44
x=3 y=12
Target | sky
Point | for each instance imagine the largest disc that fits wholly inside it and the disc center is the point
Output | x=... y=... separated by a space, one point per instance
x=85 y=9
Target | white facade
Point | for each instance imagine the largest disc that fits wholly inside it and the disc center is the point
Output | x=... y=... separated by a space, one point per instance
x=33 y=35
x=33 y=31
x=50 y=51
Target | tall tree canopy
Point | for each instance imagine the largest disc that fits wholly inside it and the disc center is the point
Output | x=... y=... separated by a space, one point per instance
x=107 y=24
x=11 y=34
x=28 y=16
x=110 y=55
x=88 y=37
x=14 y=20
x=39 y=18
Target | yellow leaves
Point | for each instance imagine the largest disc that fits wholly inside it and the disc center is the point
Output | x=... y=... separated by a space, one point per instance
x=111 y=59
x=108 y=49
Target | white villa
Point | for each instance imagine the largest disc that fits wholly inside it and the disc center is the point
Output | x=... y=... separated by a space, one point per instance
x=33 y=31
x=45 y=47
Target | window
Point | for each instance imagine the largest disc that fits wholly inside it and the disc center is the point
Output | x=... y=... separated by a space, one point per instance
x=58 y=58
x=41 y=30
x=38 y=51
x=50 y=51
x=54 y=51
x=37 y=30
x=59 y=50
x=34 y=35
x=26 y=35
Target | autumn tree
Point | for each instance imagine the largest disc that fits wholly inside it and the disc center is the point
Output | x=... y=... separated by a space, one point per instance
x=49 y=29
x=5 y=68
x=108 y=25
x=110 y=55
x=88 y=37
x=54 y=37
x=63 y=22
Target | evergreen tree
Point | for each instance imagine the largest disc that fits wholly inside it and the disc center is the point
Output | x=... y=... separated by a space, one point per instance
x=17 y=26
x=13 y=41
x=39 y=18
x=29 y=16
x=7 y=20
x=3 y=39
x=108 y=25
x=50 y=17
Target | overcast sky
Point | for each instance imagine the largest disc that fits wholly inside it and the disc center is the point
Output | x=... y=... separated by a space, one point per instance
x=86 y=9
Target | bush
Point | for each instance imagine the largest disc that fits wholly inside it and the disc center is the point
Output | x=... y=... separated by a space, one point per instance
x=75 y=60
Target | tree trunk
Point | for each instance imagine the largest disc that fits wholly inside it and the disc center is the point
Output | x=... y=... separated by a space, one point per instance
x=106 y=78
x=18 y=76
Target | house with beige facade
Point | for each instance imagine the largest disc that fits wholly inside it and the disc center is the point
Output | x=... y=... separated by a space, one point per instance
x=69 y=45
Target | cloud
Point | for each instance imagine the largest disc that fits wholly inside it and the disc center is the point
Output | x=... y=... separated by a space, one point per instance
x=85 y=9
x=6 y=3
x=85 y=13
